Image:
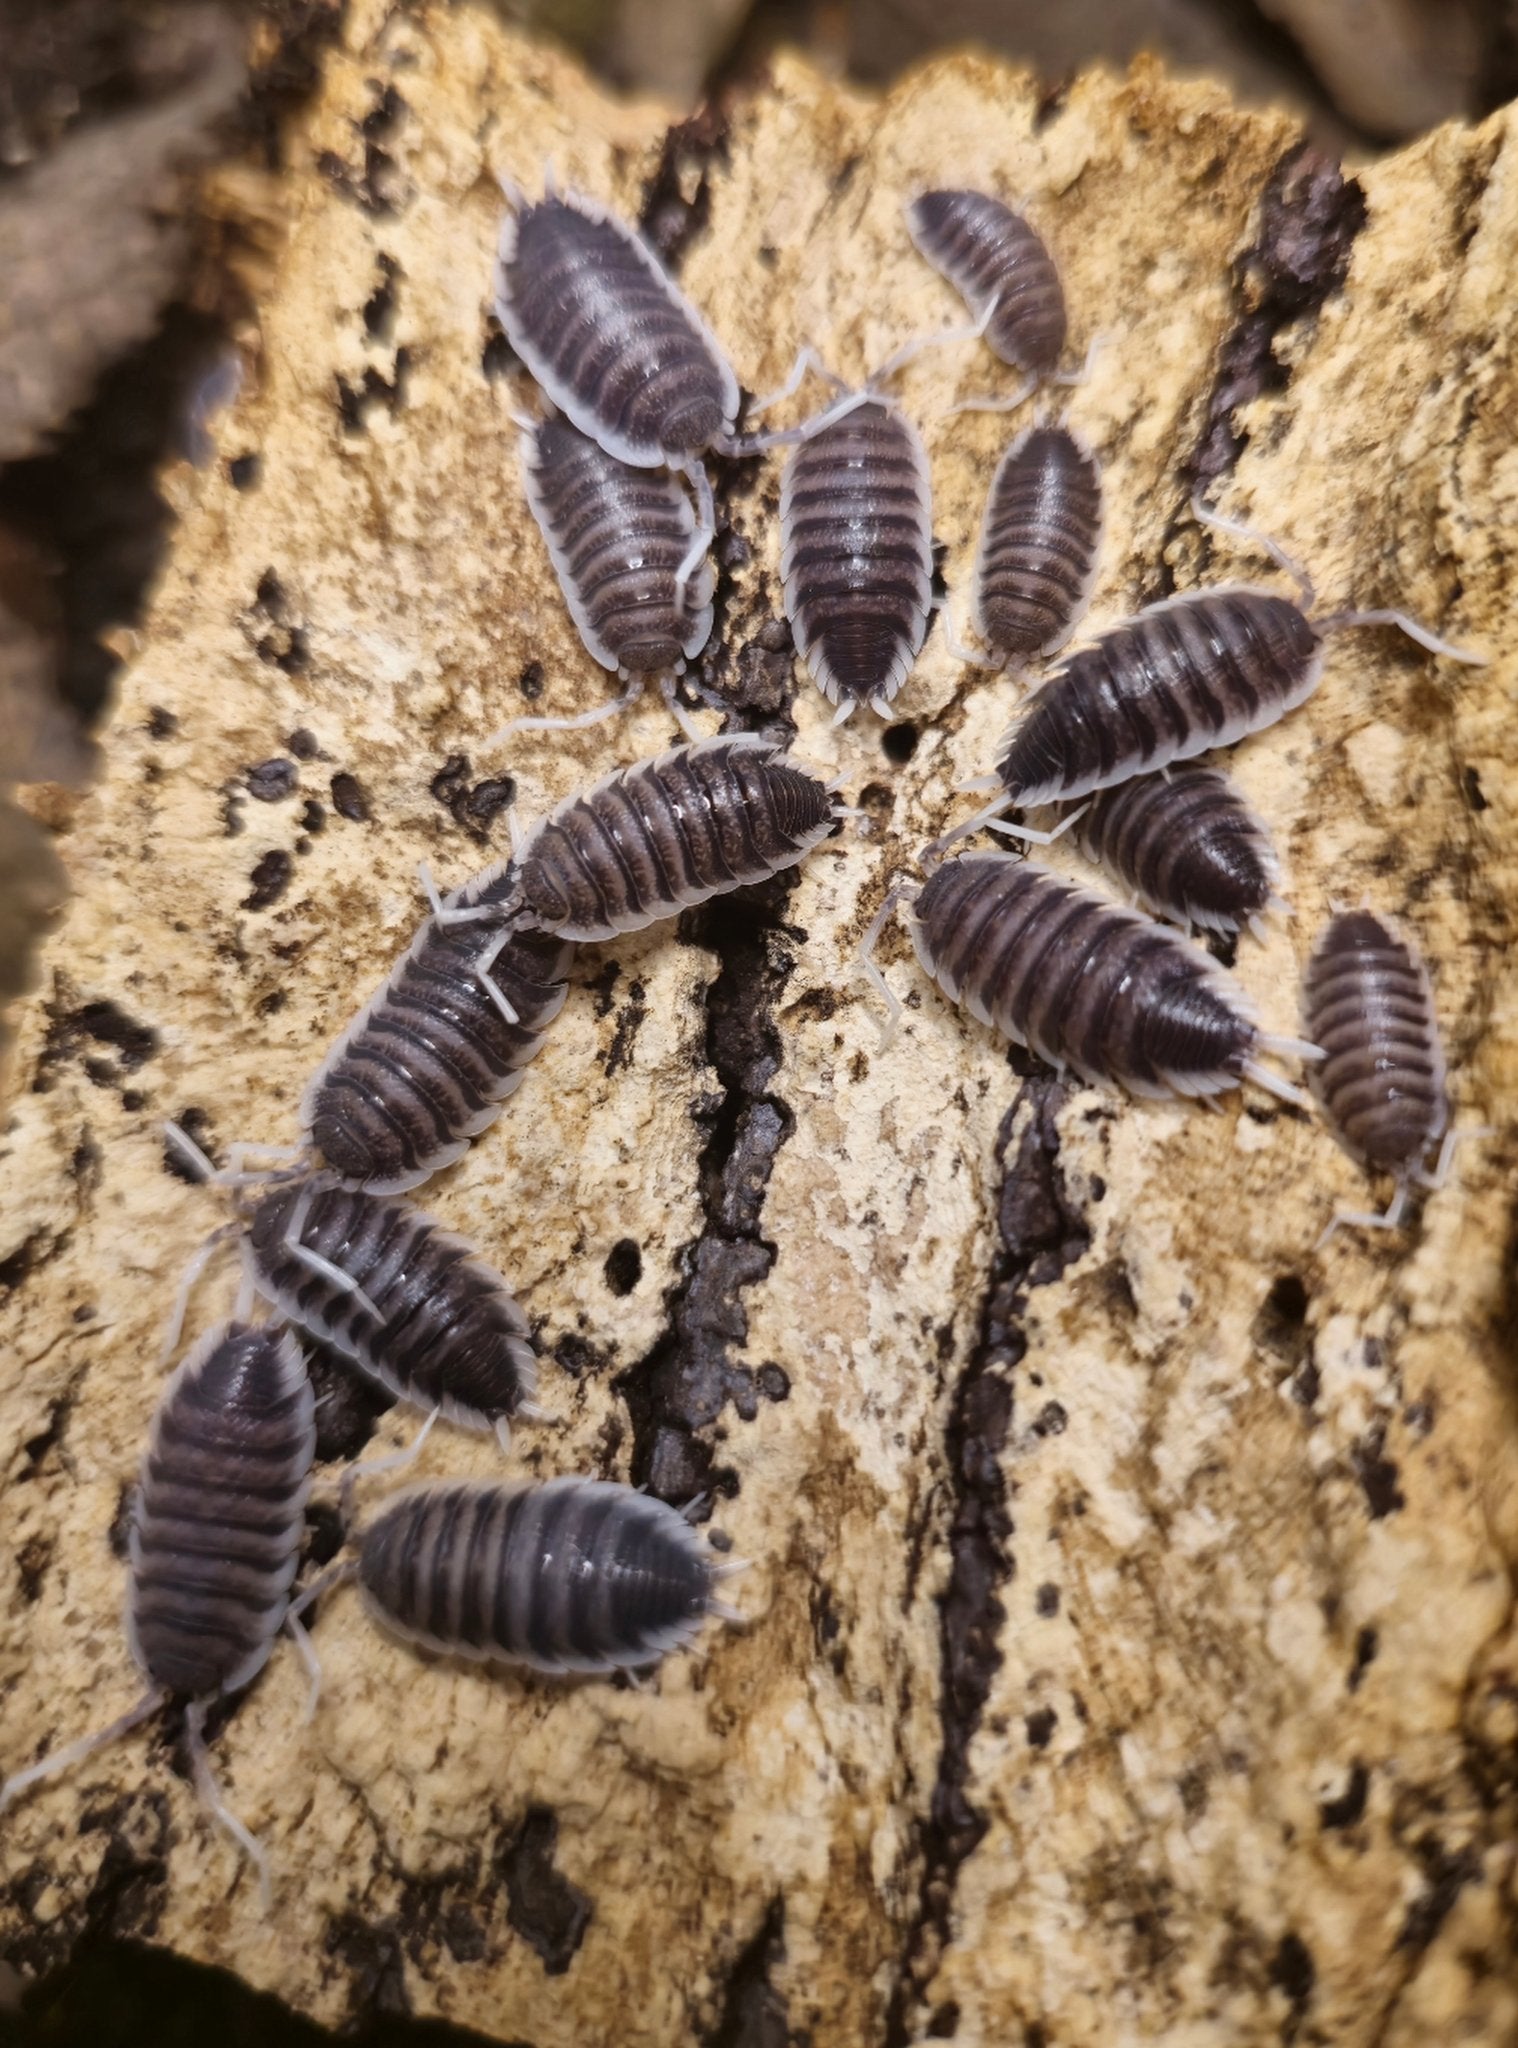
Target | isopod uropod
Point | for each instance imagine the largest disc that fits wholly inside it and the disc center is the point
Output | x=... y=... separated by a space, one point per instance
x=574 y=1575
x=216 y=1531
x=856 y=537
x=1366 y=1000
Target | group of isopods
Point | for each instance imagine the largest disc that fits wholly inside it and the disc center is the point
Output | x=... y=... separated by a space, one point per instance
x=581 y=1575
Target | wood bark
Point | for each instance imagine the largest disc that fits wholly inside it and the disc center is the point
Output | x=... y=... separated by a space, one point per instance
x=1131 y=1652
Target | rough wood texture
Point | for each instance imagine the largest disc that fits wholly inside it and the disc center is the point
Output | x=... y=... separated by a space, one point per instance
x=1132 y=1652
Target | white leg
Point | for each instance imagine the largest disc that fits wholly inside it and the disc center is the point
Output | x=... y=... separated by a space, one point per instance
x=625 y=702
x=72 y=1753
x=706 y=525
x=989 y=403
x=909 y=351
x=786 y=437
x=677 y=710
x=429 y=887
x=865 y=960
x=335 y=1575
x=1038 y=838
x=393 y=1461
x=1424 y=638
x=935 y=850
x=216 y=1806
x=1205 y=516
x=1367 y=1219
x=487 y=982
x=306 y=1650
x=1072 y=377
x=956 y=647
x=314 y=1261
x=807 y=359
x=189 y=1151
x=199 y=1260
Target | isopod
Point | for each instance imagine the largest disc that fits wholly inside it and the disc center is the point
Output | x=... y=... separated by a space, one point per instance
x=1000 y=266
x=1188 y=846
x=1086 y=983
x=856 y=536
x=1366 y=1000
x=617 y=536
x=652 y=839
x=428 y=1062
x=1038 y=545
x=623 y=353
x=577 y=1575
x=216 y=1530
x=387 y=1286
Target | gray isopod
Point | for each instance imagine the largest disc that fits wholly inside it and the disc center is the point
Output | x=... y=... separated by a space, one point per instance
x=617 y=536
x=428 y=1062
x=578 y=1575
x=1188 y=846
x=216 y=1531
x=387 y=1286
x=652 y=839
x=1001 y=268
x=1086 y=983
x=1366 y=1000
x=601 y=326
x=856 y=536
x=1038 y=545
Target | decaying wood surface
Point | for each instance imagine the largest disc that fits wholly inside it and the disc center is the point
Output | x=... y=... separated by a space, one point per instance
x=1132 y=1651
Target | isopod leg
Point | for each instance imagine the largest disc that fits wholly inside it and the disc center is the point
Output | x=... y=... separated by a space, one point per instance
x=1367 y=1219
x=786 y=437
x=198 y=1261
x=72 y=1753
x=487 y=981
x=1205 y=516
x=393 y=1461
x=1036 y=838
x=972 y=330
x=1423 y=637
x=989 y=402
x=625 y=702
x=306 y=1651
x=677 y=710
x=865 y=960
x=314 y=1261
x=706 y=525
x=217 y=1807
x=934 y=851
x=807 y=360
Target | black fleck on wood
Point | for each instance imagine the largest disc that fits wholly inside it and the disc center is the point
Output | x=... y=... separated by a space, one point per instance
x=650 y=840
x=1187 y=845
x=430 y=1059
x=219 y=1516
x=448 y=1333
x=1038 y=545
x=575 y=1575
x=856 y=537
x=1083 y=982
x=1189 y=674
x=604 y=330
x=993 y=257
x=616 y=536
x=1366 y=1000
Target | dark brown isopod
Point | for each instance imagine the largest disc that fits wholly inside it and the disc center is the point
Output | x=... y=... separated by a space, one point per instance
x=993 y=258
x=217 y=1525
x=428 y=1062
x=856 y=537
x=648 y=841
x=618 y=537
x=575 y=1575
x=599 y=323
x=1188 y=846
x=1038 y=545
x=1366 y=1000
x=408 y=1302
x=1086 y=983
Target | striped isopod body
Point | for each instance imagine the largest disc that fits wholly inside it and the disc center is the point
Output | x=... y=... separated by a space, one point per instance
x=1366 y=1000
x=602 y=328
x=428 y=1062
x=993 y=258
x=650 y=840
x=1084 y=982
x=216 y=1530
x=574 y=1575
x=617 y=536
x=219 y=1515
x=856 y=537
x=1187 y=845
x=1192 y=673
x=392 y=1290
x=1038 y=545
